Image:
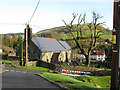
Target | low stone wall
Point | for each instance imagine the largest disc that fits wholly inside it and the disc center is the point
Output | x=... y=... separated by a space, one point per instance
x=13 y=58
x=31 y=63
x=46 y=65
x=15 y=62
x=4 y=56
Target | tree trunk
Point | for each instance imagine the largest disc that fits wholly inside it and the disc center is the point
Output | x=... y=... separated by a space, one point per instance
x=88 y=60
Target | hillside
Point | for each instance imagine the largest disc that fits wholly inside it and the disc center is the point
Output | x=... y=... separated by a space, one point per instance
x=62 y=34
x=11 y=34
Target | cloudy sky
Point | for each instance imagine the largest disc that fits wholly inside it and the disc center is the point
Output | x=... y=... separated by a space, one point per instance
x=50 y=13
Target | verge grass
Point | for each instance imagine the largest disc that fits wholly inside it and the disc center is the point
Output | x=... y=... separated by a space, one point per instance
x=7 y=62
x=35 y=68
x=27 y=67
x=67 y=82
x=102 y=81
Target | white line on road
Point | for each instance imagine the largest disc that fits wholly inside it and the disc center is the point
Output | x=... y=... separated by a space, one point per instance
x=23 y=72
x=6 y=70
x=12 y=70
x=17 y=71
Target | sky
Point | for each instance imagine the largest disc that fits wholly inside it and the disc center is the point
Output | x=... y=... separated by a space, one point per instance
x=14 y=14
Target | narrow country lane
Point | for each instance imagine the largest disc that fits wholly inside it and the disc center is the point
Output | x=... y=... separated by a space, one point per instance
x=23 y=78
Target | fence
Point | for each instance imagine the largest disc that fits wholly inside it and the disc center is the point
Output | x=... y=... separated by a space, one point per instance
x=76 y=72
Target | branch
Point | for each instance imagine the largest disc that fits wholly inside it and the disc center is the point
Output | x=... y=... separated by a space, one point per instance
x=99 y=35
x=66 y=23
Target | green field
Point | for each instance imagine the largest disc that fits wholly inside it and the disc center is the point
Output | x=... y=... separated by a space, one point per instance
x=61 y=33
x=85 y=35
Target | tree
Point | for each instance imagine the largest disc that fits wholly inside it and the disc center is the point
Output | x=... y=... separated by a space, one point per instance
x=93 y=36
x=6 y=40
x=18 y=42
x=14 y=40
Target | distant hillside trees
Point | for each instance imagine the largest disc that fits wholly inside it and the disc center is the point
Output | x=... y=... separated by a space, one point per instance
x=49 y=35
x=6 y=40
x=94 y=33
x=18 y=43
x=12 y=41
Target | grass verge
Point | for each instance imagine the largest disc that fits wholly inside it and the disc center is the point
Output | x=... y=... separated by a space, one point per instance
x=102 y=81
x=35 y=68
x=7 y=62
x=67 y=82
x=28 y=67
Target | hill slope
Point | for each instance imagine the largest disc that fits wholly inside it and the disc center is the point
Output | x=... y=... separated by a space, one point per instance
x=62 y=34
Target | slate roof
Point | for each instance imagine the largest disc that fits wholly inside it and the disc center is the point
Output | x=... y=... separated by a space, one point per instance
x=50 y=44
x=67 y=47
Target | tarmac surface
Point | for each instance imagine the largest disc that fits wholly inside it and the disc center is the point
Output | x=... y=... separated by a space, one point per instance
x=17 y=78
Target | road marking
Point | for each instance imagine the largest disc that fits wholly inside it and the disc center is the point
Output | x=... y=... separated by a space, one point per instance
x=6 y=70
x=17 y=71
x=12 y=70
x=23 y=72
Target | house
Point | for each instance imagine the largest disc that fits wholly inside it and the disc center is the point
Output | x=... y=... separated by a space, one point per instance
x=0 y=50
x=49 y=50
x=99 y=56
x=8 y=50
x=80 y=55
x=95 y=55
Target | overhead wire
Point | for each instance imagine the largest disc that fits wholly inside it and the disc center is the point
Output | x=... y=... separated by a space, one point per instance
x=12 y=23
x=21 y=24
x=37 y=26
x=28 y=21
x=34 y=12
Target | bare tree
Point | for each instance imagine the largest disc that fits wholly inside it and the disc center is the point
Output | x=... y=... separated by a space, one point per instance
x=93 y=35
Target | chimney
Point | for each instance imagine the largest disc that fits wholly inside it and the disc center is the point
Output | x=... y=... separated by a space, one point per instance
x=27 y=39
x=28 y=32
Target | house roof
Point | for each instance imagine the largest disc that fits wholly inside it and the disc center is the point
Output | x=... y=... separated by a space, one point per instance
x=97 y=53
x=50 y=44
x=67 y=47
x=100 y=53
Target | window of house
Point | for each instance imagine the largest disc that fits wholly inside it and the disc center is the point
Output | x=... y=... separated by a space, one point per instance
x=98 y=58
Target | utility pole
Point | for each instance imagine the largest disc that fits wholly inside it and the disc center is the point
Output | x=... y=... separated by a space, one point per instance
x=115 y=47
x=26 y=45
x=22 y=53
x=119 y=43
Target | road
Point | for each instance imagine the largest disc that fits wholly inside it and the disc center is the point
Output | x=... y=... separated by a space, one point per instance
x=23 y=78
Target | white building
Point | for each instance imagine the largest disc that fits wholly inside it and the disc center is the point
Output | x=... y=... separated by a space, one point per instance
x=0 y=50
x=99 y=56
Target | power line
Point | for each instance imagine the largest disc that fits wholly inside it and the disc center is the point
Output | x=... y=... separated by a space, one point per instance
x=12 y=23
x=34 y=12
x=21 y=24
x=37 y=26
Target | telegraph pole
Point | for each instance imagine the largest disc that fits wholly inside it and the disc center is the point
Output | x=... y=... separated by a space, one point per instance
x=26 y=44
x=115 y=47
x=119 y=43
x=22 y=54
